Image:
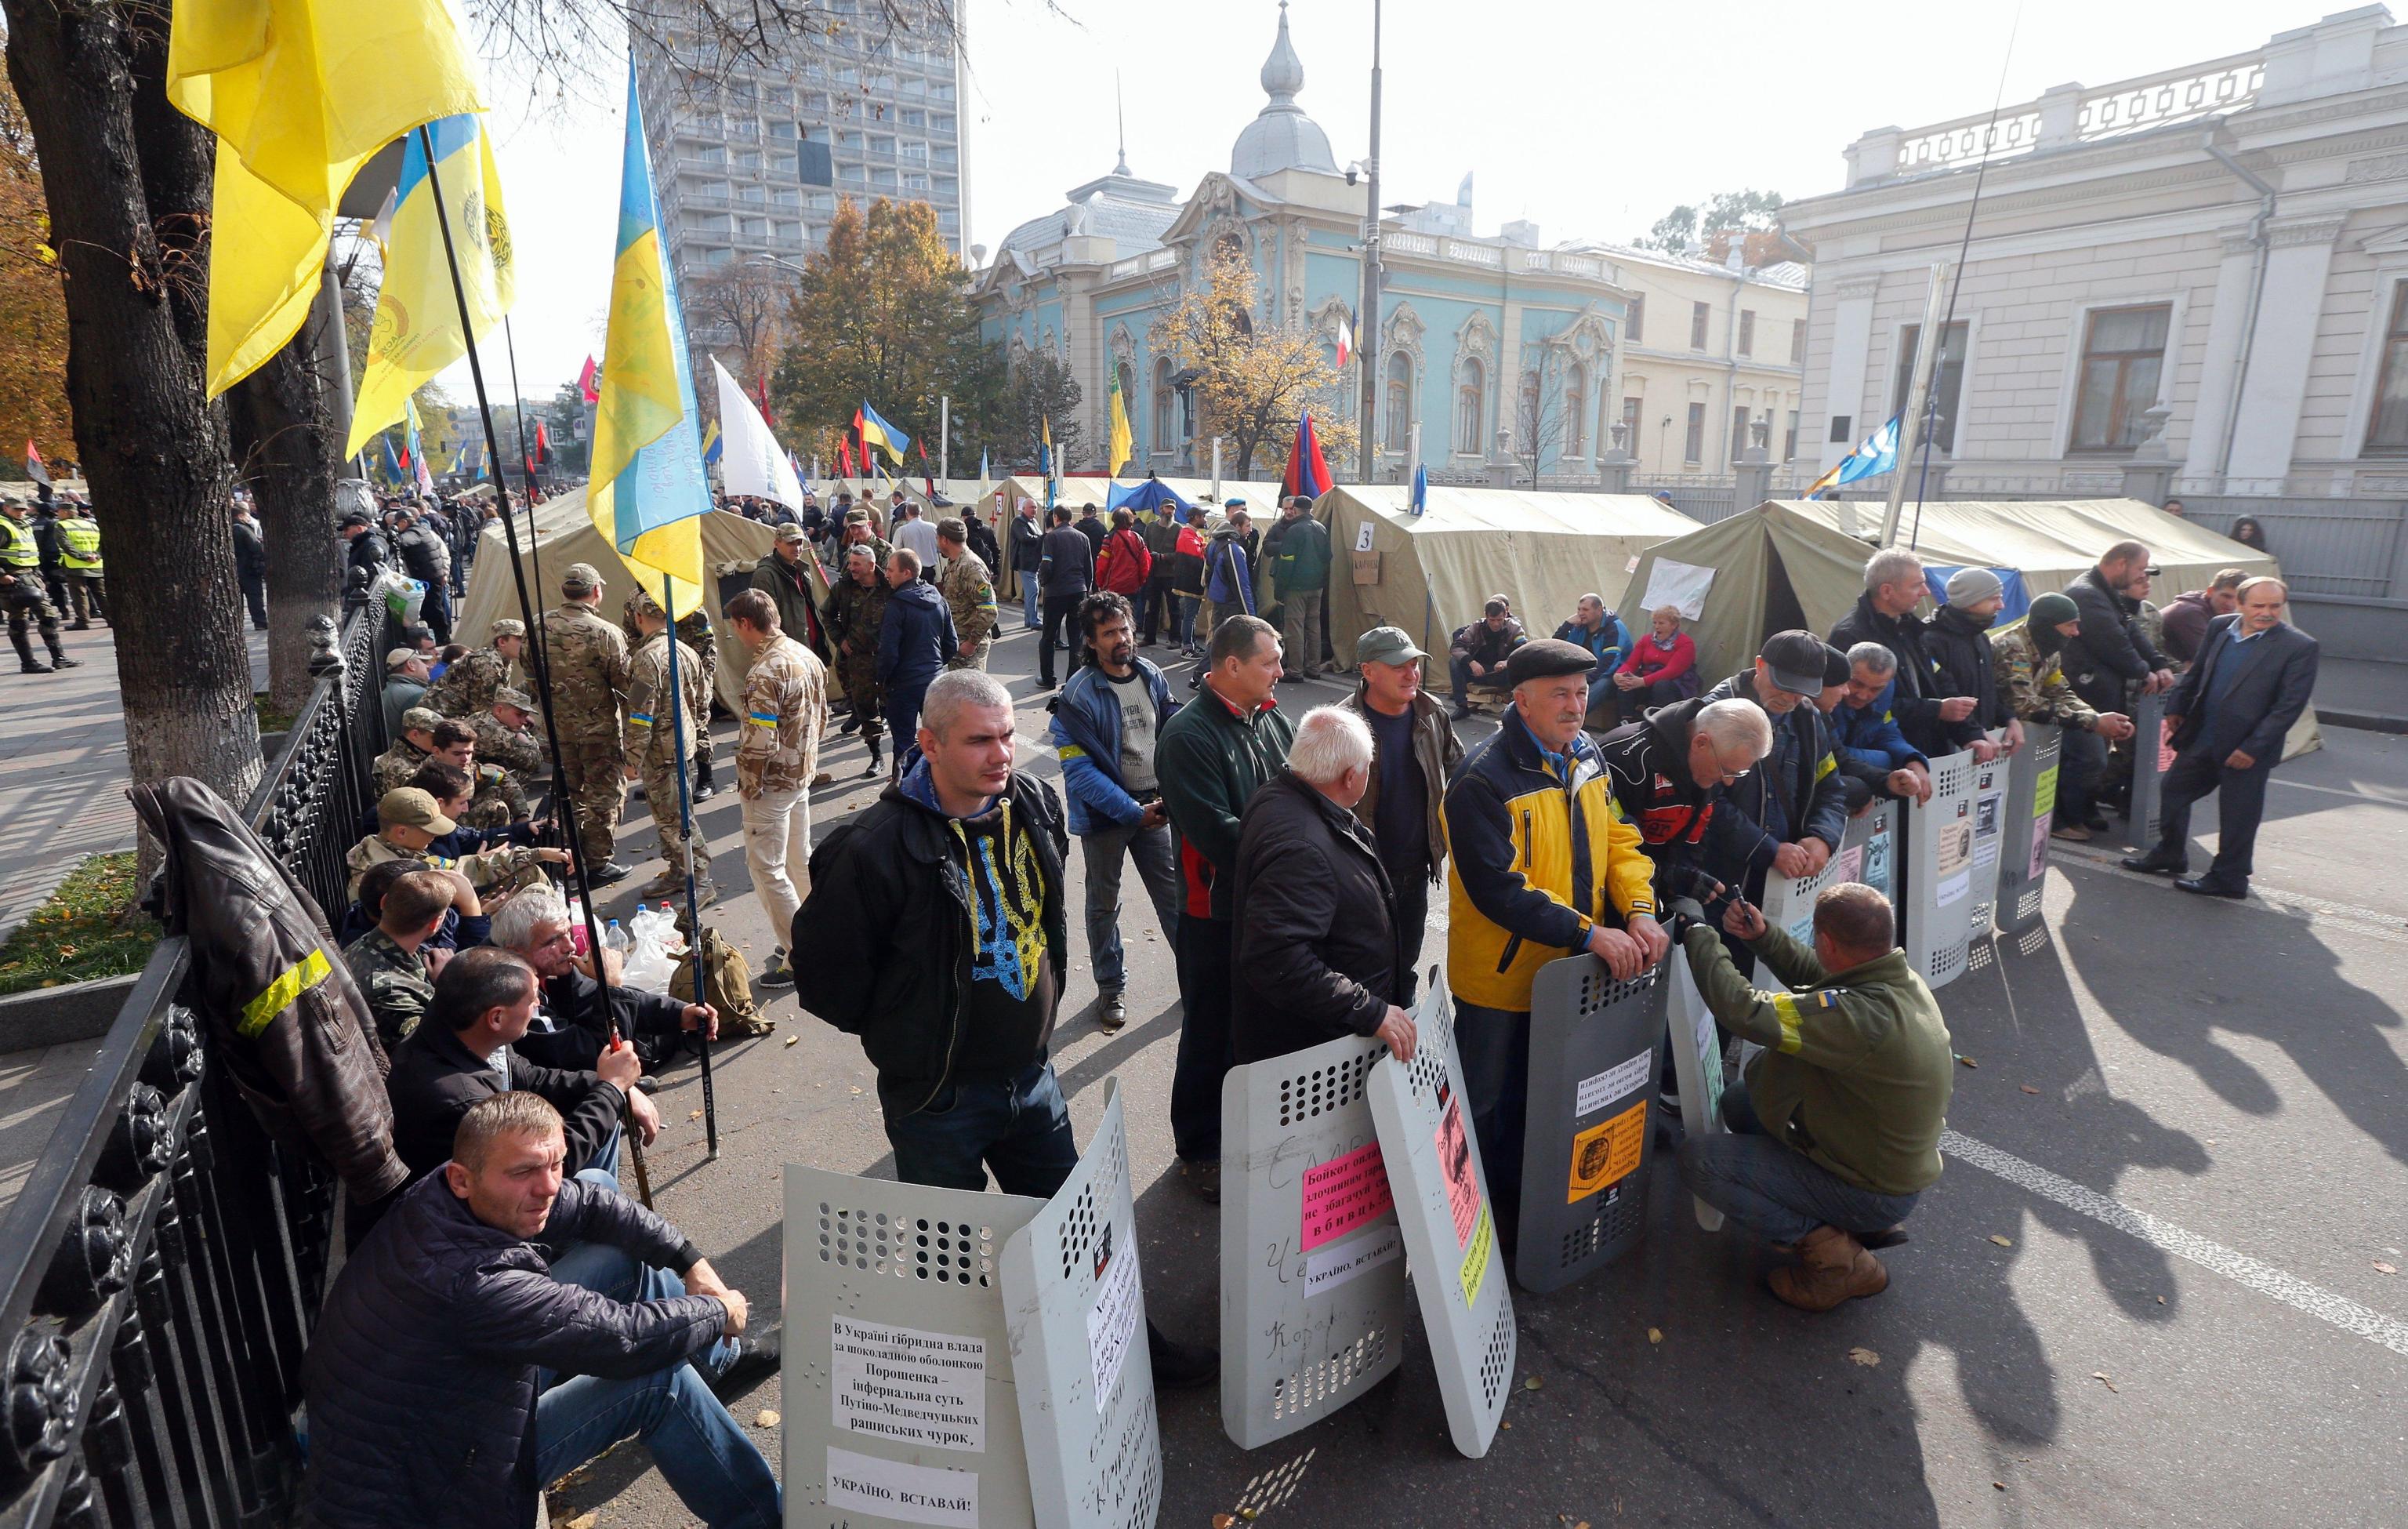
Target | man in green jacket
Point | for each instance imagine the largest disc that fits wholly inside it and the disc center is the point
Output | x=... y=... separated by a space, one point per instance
x=1300 y=575
x=1834 y=1132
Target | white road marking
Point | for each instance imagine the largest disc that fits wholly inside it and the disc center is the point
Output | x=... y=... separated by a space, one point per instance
x=2337 y=791
x=2163 y=1235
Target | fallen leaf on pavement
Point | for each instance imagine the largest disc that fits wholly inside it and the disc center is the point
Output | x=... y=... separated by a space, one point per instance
x=794 y=1040
x=2000 y=1485
x=583 y=1521
x=2381 y=1267
x=1865 y=1357
x=767 y=1420
x=1654 y=1334
x=2003 y=1242
x=1969 y=1061
x=1225 y=1520
x=695 y=1114
x=2101 y=1375
x=1532 y=1383
x=2029 y=1089
x=2161 y=1300
x=856 y=1090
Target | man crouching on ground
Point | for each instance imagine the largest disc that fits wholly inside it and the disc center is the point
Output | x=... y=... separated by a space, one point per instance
x=1835 y=1131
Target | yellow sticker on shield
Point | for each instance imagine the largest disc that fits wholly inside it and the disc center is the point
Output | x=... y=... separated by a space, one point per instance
x=1475 y=1260
x=1606 y=1152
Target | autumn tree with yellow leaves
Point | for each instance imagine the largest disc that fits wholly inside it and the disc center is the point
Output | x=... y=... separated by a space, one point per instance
x=33 y=312
x=1253 y=378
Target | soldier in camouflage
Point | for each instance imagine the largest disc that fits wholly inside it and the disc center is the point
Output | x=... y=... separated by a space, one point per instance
x=855 y=609
x=656 y=735
x=467 y=687
x=777 y=756
x=387 y=963
x=425 y=734
x=969 y=587
x=506 y=736
x=696 y=632
x=587 y=660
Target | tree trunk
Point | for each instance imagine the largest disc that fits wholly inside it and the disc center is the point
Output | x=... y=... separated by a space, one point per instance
x=151 y=447
x=283 y=431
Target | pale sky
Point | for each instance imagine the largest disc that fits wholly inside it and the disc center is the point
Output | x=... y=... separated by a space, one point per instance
x=1591 y=119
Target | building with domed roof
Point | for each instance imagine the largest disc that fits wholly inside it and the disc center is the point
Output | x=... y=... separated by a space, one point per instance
x=1476 y=335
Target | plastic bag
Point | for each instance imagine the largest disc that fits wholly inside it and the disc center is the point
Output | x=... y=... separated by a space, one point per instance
x=649 y=963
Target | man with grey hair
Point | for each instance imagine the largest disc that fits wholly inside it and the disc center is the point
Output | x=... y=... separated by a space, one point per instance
x=1885 y=614
x=573 y=1020
x=1669 y=771
x=1317 y=951
x=1865 y=736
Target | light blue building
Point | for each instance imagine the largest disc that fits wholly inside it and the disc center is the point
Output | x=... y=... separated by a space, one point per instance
x=1500 y=351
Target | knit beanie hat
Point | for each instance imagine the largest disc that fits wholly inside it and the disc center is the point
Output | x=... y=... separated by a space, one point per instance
x=1970 y=586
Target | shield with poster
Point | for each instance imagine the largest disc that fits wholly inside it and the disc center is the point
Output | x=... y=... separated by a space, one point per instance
x=901 y=1405
x=1939 y=875
x=1864 y=856
x=2023 y=844
x=1586 y=1143
x=1696 y=1062
x=1990 y=833
x=1314 y=1300
x=1076 y=1305
x=1441 y=1195
x=2151 y=758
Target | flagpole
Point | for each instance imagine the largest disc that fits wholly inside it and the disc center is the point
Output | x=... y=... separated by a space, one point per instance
x=518 y=413
x=560 y=798
x=1927 y=338
x=685 y=830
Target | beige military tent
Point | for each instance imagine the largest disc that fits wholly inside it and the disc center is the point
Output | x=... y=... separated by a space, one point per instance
x=732 y=545
x=1436 y=569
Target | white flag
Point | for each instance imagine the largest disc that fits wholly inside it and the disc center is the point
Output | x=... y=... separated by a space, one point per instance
x=753 y=463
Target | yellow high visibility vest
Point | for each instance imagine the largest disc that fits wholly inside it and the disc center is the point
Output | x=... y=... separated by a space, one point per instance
x=80 y=541
x=17 y=549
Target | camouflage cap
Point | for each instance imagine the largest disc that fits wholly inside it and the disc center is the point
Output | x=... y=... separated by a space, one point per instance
x=520 y=698
x=509 y=626
x=406 y=806
x=856 y=517
x=420 y=720
x=398 y=657
x=642 y=604
x=789 y=532
x=582 y=578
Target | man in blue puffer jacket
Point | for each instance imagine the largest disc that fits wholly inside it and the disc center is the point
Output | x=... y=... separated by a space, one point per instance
x=1104 y=727
x=1863 y=725
x=913 y=643
x=453 y=1374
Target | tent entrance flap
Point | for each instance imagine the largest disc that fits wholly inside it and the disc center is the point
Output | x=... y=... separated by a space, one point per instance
x=1783 y=611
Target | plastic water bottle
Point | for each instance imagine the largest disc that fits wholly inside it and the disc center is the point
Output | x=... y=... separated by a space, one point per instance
x=615 y=938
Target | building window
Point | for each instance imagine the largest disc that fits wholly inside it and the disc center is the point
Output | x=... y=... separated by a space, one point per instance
x=1634 y=319
x=1738 y=432
x=1693 y=444
x=1631 y=408
x=2388 y=430
x=2123 y=353
x=1698 y=313
x=1747 y=331
x=1789 y=440
x=1400 y=400
x=1471 y=397
x=1576 y=410
x=1840 y=431
x=1797 y=342
x=1165 y=404
x=1945 y=382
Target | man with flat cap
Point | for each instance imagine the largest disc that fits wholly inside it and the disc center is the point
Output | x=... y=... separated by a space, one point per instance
x=467 y=688
x=587 y=660
x=1542 y=863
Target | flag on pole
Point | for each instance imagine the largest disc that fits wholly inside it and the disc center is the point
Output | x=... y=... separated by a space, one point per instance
x=750 y=461
x=982 y=464
x=714 y=444
x=1045 y=448
x=1421 y=489
x=586 y=381
x=36 y=468
x=927 y=479
x=393 y=472
x=1876 y=456
x=648 y=494
x=542 y=445
x=300 y=94
x=876 y=431
x=1307 y=473
x=1345 y=339
x=416 y=333
x=1121 y=443
x=417 y=462
x=844 y=458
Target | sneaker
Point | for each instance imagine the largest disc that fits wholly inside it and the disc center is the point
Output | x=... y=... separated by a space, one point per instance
x=1180 y=1366
x=779 y=972
x=704 y=793
x=60 y=660
x=755 y=1360
x=1111 y=1013
x=1204 y=1179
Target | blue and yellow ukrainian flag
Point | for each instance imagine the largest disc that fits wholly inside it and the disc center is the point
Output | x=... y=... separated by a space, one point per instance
x=648 y=494
x=1877 y=455
x=876 y=431
x=713 y=446
x=416 y=333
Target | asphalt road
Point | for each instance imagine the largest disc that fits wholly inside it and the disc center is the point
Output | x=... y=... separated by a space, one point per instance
x=2147 y=1291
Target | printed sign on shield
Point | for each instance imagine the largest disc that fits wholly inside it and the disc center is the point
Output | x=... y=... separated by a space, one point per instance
x=1606 y=1152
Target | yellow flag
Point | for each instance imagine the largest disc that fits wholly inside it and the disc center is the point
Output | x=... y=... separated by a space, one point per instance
x=300 y=94
x=1122 y=445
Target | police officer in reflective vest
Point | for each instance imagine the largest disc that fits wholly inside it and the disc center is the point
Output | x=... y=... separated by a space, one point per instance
x=80 y=555
x=21 y=593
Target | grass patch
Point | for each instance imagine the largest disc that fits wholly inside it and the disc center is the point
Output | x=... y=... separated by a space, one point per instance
x=271 y=718
x=83 y=930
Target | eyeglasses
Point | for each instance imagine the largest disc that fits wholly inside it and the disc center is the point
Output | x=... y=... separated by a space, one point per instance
x=1732 y=777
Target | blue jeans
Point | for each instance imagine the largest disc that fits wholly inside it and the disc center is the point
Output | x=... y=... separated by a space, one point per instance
x=1019 y=1126
x=2079 y=766
x=1494 y=1045
x=1182 y=616
x=1157 y=866
x=1028 y=596
x=1773 y=1190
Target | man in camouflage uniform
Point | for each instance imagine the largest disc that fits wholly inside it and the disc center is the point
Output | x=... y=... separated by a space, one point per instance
x=777 y=756
x=696 y=632
x=855 y=609
x=498 y=800
x=2030 y=664
x=969 y=587
x=386 y=961
x=655 y=739
x=467 y=687
x=425 y=734
x=587 y=659
x=506 y=736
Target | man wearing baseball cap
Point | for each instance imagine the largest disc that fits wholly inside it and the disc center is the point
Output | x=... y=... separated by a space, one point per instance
x=404 y=686
x=588 y=664
x=467 y=687
x=1789 y=814
x=1543 y=864
x=1413 y=753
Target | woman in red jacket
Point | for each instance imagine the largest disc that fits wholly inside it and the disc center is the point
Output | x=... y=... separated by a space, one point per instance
x=1124 y=564
x=1662 y=667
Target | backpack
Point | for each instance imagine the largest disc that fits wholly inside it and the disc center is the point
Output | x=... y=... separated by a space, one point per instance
x=729 y=990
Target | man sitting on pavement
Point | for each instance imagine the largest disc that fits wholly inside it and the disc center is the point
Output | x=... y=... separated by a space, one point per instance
x=1318 y=954
x=393 y=971
x=1835 y=1131
x=408 y=821
x=567 y=1029
x=1662 y=667
x=1477 y=654
x=455 y=1370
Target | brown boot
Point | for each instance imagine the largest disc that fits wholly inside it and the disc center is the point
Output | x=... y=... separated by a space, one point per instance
x=1833 y=1267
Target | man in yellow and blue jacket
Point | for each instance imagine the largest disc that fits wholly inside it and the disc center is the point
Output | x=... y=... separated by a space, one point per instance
x=1541 y=862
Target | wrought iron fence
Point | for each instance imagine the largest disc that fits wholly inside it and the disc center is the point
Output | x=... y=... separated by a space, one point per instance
x=161 y=1267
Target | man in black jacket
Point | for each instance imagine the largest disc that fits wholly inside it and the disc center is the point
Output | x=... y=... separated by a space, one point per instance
x=1958 y=641
x=2110 y=652
x=365 y=557
x=1935 y=721
x=1787 y=816
x=1670 y=771
x=426 y=558
x=251 y=564
x=1318 y=954
x=570 y=1028
x=2250 y=683
x=454 y=1370
x=1066 y=570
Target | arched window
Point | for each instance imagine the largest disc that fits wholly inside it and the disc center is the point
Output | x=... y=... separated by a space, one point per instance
x=1471 y=408
x=1400 y=400
x=1576 y=410
x=1165 y=407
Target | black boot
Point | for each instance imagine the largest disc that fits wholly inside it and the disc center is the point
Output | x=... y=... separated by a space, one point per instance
x=26 y=662
x=875 y=757
x=703 y=787
x=59 y=659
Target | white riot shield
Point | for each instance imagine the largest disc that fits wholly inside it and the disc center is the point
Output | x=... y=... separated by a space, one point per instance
x=1865 y=855
x=1313 y=1298
x=2023 y=848
x=2151 y=758
x=1989 y=833
x=1586 y=1144
x=900 y=1401
x=1424 y=1114
x=1696 y=1066
x=1939 y=878
x=1077 y=1307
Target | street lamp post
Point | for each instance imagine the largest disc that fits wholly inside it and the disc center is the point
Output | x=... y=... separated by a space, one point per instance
x=1367 y=332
